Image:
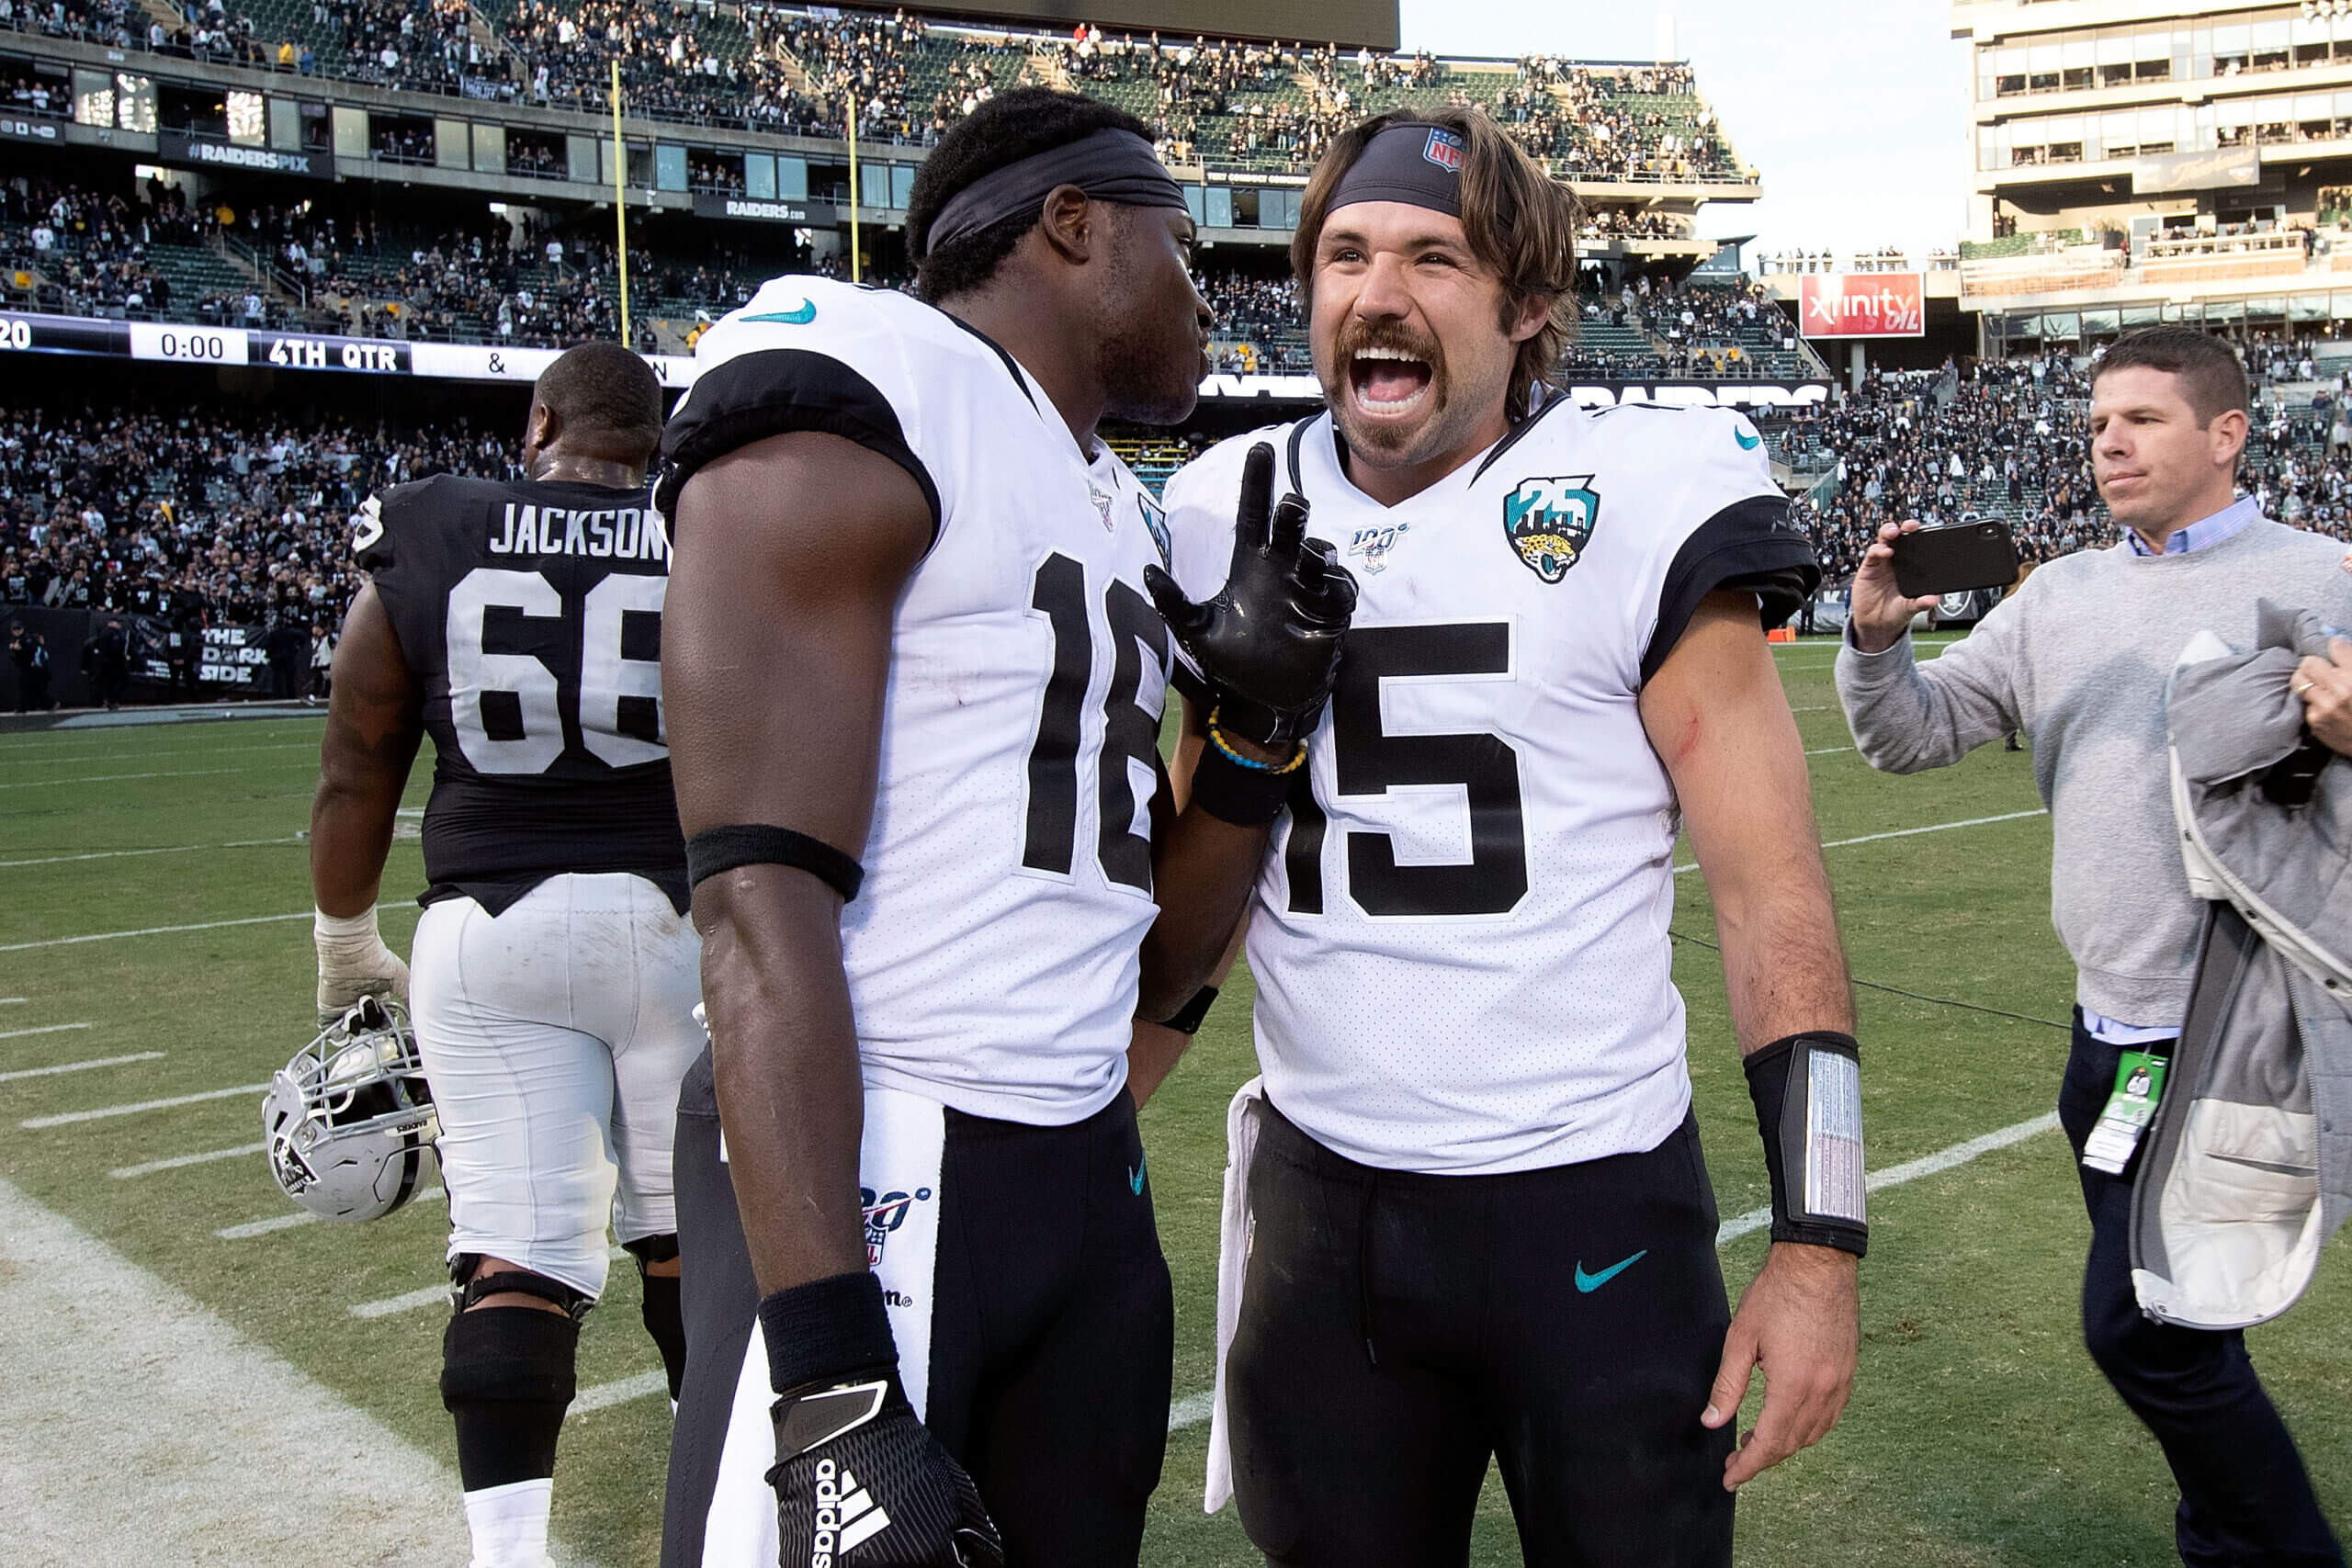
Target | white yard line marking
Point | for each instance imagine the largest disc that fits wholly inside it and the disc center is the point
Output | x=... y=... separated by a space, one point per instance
x=150 y=756
x=1911 y=1170
x=409 y=1302
x=11 y=1001
x=117 y=778
x=169 y=850
x=166 y=931
x=253 y=1228
x=1195 y=1408
x=1911 y=832
x=305 y=914
x=111 y=1371
x=619 y=1391
x=1828 y=750
x=71 y=1118
x=179 y=1162
x=1191 y=1410
x=44 y=1028
x=14 y=1074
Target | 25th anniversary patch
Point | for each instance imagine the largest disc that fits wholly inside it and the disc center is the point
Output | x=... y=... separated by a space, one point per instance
x=1550 y=521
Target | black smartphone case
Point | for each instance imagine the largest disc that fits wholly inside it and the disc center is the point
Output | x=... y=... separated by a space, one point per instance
x=1945 y=560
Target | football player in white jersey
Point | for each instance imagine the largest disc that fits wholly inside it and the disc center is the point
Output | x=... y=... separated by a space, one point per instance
x=520 y=625
x=1476 y=1221
x=915 y=683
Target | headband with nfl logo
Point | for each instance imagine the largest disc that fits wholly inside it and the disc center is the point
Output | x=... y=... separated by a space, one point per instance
x=1412 y=161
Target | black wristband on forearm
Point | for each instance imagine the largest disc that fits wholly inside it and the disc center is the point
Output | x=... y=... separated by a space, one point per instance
x=826 y=1330
x=1245 y=796
x=1187 y=1019
x=1808 y=1094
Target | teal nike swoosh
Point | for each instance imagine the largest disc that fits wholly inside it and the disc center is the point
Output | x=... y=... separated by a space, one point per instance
x=799 y=318
x=1746 y=442
x=1135 y=1177
x=1588 y=1283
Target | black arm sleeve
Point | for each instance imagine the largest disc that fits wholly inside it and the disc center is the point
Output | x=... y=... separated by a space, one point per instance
x=754 y=396
x=1751 y=546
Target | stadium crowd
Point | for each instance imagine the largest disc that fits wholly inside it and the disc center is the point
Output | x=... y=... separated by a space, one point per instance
x=220 y=516
x=2009 y=440
x=798 y=72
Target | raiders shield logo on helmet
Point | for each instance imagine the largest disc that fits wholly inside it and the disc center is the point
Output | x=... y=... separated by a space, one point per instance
x=1549 y=521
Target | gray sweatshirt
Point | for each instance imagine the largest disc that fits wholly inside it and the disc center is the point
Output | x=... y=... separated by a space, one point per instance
x=2077 y=660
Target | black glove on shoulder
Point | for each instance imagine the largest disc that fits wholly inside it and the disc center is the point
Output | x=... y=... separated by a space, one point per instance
x=854 y=1470
x=1269 y=642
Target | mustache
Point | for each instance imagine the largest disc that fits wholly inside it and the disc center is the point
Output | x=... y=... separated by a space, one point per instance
x=1387 y=336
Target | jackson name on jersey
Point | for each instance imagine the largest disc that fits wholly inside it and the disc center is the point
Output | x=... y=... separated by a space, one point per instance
x=1459 y=934
x=991 y=952
x=530 y=614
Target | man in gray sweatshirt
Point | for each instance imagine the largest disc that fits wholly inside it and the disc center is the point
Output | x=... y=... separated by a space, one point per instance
x=2076 y=660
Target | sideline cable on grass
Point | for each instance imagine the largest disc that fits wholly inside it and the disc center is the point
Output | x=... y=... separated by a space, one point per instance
x=1914 y=996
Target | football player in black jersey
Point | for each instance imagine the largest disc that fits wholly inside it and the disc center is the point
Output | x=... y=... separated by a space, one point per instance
x=520 y=625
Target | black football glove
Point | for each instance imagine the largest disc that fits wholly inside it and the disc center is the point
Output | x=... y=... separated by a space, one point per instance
x=1268 y=642
x=856 y=1472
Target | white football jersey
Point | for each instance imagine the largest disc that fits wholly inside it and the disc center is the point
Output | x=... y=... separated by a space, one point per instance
x=991 y=952
x=1459 y=935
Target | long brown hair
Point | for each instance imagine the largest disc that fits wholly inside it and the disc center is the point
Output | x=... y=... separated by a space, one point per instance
x=1519 y=221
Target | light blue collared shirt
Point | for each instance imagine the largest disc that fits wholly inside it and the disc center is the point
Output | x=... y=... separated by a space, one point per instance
x=2230 y=520
x=2205 y=531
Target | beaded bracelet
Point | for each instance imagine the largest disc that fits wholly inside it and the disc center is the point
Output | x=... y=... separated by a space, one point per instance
x=1216 y=738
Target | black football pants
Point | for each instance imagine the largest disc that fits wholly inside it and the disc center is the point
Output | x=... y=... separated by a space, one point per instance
x=2245 y=1501
x=1397 y=1330
x=1052 y=1328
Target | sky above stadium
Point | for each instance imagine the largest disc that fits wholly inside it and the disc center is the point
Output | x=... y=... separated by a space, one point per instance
x=1851 y=109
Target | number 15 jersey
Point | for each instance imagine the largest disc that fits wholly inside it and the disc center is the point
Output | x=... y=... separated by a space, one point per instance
x=1460 y=938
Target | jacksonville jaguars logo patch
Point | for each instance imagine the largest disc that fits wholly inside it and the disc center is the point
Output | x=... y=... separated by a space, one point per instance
x=1550 y=521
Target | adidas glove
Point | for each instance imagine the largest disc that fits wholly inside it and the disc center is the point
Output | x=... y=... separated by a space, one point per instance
x=854 y=1471
x=354 y=962
x=1268 y=642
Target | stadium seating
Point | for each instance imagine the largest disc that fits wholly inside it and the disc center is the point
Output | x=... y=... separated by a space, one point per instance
x=1247 y=107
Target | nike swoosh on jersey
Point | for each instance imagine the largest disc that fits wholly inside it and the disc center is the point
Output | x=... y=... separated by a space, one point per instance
x=1135 y=1177
x=1588 y=1283
x=1746 y=442
x=799 y=318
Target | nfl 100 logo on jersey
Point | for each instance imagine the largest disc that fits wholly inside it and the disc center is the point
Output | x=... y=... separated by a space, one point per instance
x=886 y=1212
x=1372 y=545
x=1550 y=521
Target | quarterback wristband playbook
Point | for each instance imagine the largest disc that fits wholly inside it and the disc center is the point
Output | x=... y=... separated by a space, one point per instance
x=1808 y=1094
x=715 y=849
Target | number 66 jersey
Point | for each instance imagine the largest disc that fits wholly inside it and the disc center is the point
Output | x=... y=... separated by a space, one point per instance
x=1460 y=937
x=530 y=615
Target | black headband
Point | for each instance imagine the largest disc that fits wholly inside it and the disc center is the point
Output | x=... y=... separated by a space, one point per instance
x=1414 y=162
x=1111 y=165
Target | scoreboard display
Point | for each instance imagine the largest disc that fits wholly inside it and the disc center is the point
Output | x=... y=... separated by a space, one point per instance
x=1350 y=23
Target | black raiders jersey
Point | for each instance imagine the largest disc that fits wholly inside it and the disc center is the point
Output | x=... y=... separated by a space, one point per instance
x=531 y=616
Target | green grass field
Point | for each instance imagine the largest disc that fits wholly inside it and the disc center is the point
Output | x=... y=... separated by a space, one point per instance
x=1979 y=1433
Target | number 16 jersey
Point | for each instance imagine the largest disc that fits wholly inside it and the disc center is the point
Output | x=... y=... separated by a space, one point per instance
x=1460 y=938
x=992 y=951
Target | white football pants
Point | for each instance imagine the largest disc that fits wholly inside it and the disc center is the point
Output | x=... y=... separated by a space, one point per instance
x=554 y=1036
